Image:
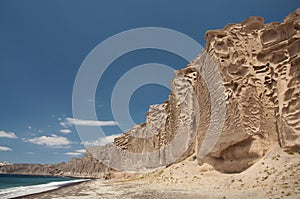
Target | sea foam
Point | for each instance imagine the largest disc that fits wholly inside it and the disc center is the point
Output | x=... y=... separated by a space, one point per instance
x=28 y=190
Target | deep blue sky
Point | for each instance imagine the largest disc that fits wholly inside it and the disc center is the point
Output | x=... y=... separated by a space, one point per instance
x=43 y=43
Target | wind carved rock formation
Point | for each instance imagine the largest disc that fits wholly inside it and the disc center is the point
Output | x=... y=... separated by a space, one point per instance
x=260 y=68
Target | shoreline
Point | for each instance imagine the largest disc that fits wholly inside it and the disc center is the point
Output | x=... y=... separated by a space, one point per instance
x=273 y=176
x=36 y=195
x=21 y=191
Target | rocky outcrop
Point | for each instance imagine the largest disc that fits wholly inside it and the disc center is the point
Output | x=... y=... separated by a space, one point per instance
x=260 y=68
x=86 y=167
x=260 y=65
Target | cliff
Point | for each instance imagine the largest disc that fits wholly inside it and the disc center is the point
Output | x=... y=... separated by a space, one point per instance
x=259 y=66
x=260 y=69
x=86 y=167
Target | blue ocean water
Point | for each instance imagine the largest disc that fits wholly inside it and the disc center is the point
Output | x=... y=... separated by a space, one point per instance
x=13 y=180
x=12 y=185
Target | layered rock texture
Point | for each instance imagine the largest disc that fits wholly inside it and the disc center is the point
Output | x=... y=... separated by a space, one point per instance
x=259 y=66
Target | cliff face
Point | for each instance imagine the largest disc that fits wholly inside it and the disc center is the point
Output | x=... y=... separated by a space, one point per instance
x=260 y=65
x=260 y=68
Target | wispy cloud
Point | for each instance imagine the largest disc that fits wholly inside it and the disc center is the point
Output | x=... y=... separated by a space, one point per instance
x=50 y=141
x=81 y=150
x=76 y=152
x=73 y=153
x=4 y=148
x=11 y=135
x=73 y=121
x=65 y=131
x=102 y=141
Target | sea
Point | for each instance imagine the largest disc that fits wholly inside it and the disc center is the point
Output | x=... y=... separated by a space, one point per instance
x=13 y=185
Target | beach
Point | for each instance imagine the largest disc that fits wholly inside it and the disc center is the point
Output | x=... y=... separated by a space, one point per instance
x=189 y=180
x=101 y=189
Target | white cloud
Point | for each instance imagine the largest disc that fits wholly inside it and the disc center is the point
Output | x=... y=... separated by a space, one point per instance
x=51 y=141
x=73 y=153
x=4 y=148
x=76 y=152
x=65 y=131
x=73 y=121
x=102 y=141
x=8 y=135
x=64 y=124
x=81 y=150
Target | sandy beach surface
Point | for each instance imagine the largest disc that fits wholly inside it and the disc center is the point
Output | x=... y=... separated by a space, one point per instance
x=274 y=176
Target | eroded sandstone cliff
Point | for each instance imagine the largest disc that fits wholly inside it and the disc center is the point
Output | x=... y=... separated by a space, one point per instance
x=260 y=65
x=260 y=68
